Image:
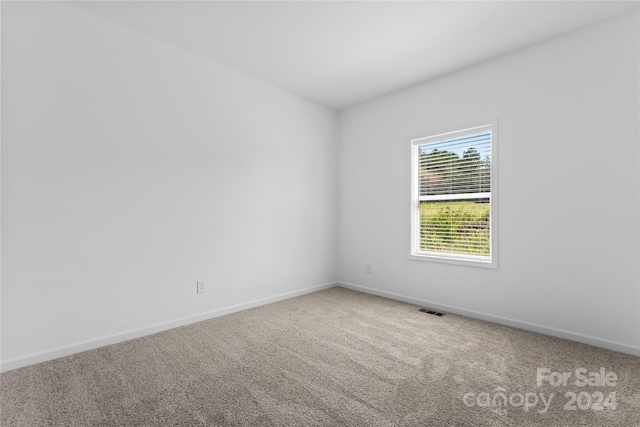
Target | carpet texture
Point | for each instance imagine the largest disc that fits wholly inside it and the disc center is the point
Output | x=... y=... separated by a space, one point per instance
x=335 y=357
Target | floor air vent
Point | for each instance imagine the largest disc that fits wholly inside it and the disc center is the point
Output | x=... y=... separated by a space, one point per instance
x=435 y=313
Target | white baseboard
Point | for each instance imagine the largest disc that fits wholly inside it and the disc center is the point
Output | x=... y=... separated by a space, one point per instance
x=67 y=350
x=554 y=332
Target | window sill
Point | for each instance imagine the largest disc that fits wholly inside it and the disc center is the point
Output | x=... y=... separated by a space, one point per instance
x=455 y=261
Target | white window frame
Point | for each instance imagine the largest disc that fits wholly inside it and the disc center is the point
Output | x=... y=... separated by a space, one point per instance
x=414 y=224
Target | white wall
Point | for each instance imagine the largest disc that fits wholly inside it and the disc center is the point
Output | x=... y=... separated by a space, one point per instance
x=568 y=188
x=131 y=169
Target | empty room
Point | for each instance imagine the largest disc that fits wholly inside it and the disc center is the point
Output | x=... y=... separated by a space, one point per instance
x=320 y=213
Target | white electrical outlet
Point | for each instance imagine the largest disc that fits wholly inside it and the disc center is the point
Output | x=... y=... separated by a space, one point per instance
x=367 y=268
x=201 y=286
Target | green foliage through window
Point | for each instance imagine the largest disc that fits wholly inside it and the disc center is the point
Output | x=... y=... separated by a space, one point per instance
x=455 y=227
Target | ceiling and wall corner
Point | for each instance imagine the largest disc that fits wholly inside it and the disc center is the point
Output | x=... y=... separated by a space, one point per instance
x=340 y=54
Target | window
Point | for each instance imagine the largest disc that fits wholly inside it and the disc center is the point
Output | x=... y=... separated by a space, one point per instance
x=453 y=197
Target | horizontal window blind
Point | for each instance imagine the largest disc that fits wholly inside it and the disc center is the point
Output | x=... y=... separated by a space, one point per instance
x=456 y=166
x=452 y=199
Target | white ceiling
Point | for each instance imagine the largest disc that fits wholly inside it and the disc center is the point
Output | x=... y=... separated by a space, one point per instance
x=340 y=53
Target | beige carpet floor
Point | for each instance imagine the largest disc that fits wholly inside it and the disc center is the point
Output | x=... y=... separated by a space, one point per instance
x=334 y=357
